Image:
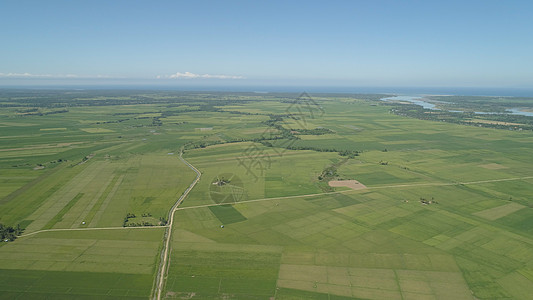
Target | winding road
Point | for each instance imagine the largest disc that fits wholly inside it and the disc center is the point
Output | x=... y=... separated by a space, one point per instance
x=165 y=252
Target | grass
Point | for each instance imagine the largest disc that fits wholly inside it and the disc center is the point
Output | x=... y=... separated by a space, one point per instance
x=500 y=211
x=103 y=264
x=60 y=214
x=67 y=285
x=98 y=201
x=227 y=214
x=240 y=272
x=81 y=254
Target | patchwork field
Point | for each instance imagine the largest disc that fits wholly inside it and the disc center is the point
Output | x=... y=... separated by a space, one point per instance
x=106 y=264
x=334 y=199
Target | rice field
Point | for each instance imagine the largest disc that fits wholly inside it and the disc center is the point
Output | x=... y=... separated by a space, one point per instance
x=446 y=212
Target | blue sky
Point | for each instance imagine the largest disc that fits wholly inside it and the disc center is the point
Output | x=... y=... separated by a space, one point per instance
x=338 y=43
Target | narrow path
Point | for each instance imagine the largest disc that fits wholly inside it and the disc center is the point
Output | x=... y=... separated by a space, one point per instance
x=266 y=199
x=86 y=229
x=366 y=189
x=163 y=266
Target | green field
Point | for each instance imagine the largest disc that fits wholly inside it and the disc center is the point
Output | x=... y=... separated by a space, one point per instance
x=446 y=212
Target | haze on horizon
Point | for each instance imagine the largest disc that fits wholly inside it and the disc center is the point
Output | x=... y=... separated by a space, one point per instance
x=239 y=43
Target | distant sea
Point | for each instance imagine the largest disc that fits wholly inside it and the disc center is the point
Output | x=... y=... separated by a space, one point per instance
x=413 y=91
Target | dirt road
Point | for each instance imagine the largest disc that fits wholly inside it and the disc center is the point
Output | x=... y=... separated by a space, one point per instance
x=165 y=252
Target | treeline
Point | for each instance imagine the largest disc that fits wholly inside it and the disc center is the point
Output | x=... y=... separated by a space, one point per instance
x=36 y=112
x=292 y=146
x=62 y=99
x=9 y=233
x=205 y=143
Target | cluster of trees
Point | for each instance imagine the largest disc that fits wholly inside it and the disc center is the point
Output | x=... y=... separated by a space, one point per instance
x=60 y=160
x=129 y=223
x=9 y=233
x=349 y=153
x=328 y=173
x=138 y=224
x=204 y=143
x=127 y=219
x=316 y=131
x=156 y=121
x=426 y=201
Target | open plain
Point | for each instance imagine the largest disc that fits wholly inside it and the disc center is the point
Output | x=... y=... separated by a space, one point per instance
x=441 y=210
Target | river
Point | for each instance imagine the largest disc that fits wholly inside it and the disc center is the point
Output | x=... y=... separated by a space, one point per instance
x=427 y=105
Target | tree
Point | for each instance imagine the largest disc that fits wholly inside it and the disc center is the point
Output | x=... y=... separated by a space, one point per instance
x=9 y=233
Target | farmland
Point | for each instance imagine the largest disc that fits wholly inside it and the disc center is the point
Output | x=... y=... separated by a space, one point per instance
x=445 y=211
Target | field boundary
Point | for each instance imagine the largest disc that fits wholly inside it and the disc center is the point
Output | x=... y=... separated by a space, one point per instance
x=86 y=229
x=366 y=189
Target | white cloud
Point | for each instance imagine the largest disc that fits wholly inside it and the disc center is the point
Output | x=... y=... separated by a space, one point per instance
x=189 y=75
x=178 y=75
x=25 y=75
x=57 y=76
